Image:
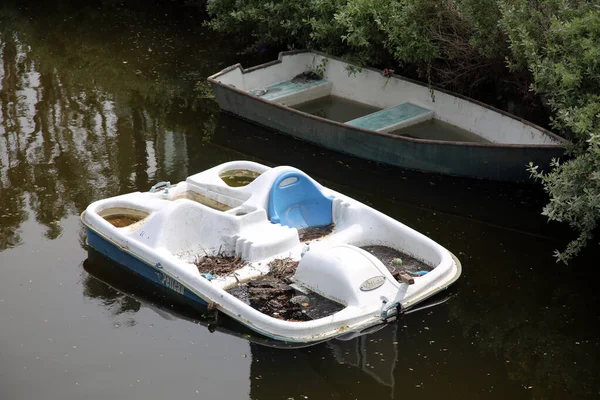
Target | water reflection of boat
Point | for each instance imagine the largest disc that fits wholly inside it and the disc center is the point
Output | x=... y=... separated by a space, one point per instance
x=340 y=368
x=382 y=117
x=125 y=287
x=372 y=356
x=314 y=264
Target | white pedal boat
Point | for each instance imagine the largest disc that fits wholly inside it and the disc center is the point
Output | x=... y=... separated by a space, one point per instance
x=163 y=234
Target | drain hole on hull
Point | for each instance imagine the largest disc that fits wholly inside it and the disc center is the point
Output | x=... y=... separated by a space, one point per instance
x=122 y=217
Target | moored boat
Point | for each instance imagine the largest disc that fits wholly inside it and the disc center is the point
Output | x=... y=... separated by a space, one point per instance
x=272 y=249
x=383 y=117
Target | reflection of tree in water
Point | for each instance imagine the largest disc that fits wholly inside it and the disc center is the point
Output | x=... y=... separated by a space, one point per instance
x=110 y=298
x=85 y=114
x=122 y=291
x=12 y=198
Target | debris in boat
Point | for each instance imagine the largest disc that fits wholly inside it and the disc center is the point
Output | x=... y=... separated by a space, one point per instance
x=308 y=234
x=407 y=265
x=301 y=299
x=307 y=76
x=122 y=220
x=388 y=72
x=239 y=177
x=271 y=295
x=209 y=276
x=219 y=265
x=282 y=268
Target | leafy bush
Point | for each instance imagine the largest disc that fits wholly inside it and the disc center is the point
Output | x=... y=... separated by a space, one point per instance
x=560 y=42
x=259 y=22
x=454 y=40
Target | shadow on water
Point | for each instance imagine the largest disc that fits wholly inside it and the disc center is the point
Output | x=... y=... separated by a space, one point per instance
x=109 y=97
x=497 y=323
x=372 y=357
x=122 y=291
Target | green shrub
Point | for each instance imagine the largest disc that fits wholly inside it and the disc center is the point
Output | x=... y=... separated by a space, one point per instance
x=429 y=35
x=559 y=41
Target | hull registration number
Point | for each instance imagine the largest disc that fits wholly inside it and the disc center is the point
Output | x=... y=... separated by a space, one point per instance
x=170 y=283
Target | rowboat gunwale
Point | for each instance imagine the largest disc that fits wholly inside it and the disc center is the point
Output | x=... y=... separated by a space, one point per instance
x=213 y=79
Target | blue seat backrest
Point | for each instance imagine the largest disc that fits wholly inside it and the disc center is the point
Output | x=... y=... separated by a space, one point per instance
x=295 y=201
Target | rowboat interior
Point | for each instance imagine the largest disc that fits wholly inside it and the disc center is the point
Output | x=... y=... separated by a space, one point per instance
x=368 y=99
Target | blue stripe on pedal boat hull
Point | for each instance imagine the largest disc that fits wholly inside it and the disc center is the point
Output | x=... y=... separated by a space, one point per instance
x=134 y=264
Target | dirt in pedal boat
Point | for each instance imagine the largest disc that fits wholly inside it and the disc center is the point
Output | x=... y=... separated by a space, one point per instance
x=272 y=295
x=282 y=269
x=397 y=261
x=314 y=233
x=239 y=177
x=122 y=220
x=219 y=265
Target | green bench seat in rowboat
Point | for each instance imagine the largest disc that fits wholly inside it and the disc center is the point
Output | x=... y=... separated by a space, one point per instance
x=393 y=118
x=295 y=91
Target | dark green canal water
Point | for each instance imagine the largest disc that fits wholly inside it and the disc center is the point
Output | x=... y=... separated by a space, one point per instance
x=111 y=97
